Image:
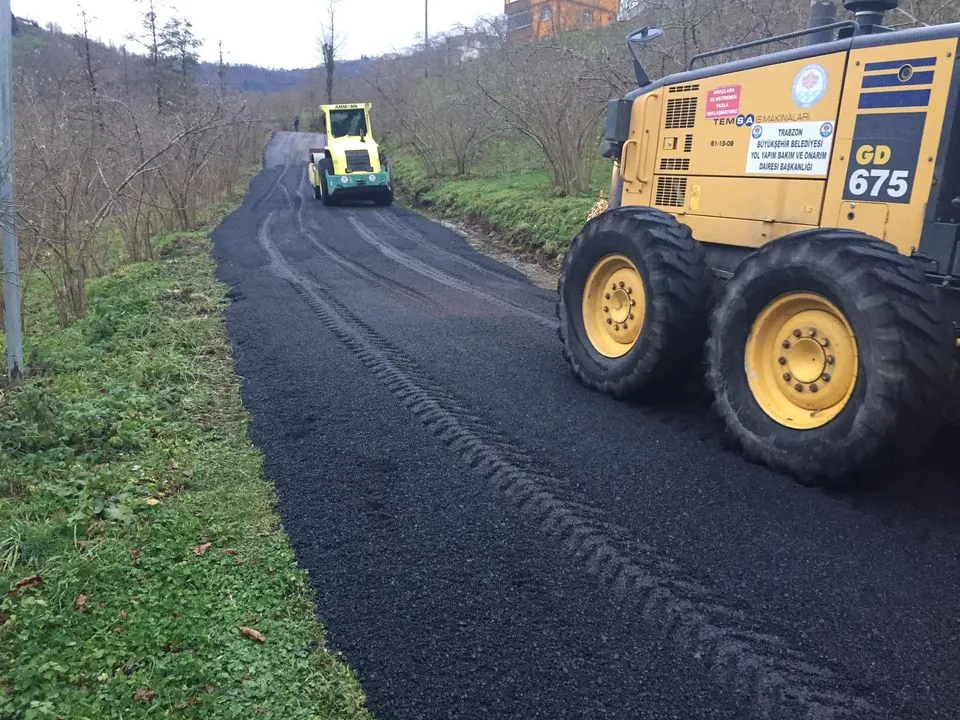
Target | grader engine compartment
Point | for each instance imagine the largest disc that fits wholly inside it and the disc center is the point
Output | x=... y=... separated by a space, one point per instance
x=700 y=145
x=796 y=214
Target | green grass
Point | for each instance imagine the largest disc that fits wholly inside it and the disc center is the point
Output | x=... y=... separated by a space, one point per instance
x=120 y=463
x=508 y=193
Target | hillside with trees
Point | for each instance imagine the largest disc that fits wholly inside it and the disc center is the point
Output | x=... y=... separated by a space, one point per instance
x=116 y=145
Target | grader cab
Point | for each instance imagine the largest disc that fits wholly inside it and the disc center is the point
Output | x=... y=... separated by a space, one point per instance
x=790 y=220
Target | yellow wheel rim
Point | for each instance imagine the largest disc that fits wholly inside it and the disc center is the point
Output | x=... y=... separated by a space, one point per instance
x=802 y=361
x=614 y=306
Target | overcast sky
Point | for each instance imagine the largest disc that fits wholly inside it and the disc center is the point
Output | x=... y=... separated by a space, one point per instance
x=276 y=33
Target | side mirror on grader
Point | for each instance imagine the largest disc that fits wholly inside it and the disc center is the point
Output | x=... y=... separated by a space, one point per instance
x=635 y=40
x=791 y=218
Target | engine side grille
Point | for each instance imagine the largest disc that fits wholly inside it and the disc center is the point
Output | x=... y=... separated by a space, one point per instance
x=684 y=88
x=358 y=161
x=681 y=113
x=671 y=191
x=688 y=144
x=674 y=164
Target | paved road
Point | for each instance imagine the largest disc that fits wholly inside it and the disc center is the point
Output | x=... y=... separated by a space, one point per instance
x=487 y=539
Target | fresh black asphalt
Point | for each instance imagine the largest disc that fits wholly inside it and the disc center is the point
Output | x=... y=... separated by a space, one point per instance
x=488 y=539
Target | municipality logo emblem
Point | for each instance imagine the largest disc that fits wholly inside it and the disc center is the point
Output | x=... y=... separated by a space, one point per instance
x=810 y=86
x=826 y=130
x=757 y=131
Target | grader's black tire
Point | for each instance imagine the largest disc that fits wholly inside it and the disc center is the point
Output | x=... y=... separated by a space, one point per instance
x=896 y=340
x=675 y=287
x=317 y=193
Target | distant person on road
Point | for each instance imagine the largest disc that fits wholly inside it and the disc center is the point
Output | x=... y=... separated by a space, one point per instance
x=296 y=124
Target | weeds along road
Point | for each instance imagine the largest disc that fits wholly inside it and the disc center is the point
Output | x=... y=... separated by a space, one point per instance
x=488 y=539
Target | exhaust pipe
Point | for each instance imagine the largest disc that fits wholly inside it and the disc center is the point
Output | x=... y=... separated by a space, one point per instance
x=869 y=14
x=822 y=13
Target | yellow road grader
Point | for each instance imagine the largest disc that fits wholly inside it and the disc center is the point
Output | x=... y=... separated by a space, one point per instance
x=351 y=165
x=790 y=221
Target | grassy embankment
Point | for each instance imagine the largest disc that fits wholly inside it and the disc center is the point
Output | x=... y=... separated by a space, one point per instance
x=143 y=567
x=508 y=194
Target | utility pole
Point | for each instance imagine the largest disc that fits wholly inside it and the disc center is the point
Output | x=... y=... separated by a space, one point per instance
x=426 y=38
x=11 y=252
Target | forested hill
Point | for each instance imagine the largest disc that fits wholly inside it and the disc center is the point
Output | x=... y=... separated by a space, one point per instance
x=29 y=35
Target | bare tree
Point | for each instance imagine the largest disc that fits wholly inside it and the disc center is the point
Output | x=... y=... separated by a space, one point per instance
x=178 y=47
x=87 y=179
x=83 y=45
x=554 y=98
x=149 y=39
x=443 y=117
x=331 y=43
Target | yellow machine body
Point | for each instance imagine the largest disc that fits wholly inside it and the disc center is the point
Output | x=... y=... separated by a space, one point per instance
x=847 y=139
x=351 y=164
x=790 y=221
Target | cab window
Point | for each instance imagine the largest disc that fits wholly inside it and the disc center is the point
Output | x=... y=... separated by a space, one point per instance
x=345 y=123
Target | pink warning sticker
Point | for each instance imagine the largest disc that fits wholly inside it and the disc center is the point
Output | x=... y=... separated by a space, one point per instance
x=723 y=102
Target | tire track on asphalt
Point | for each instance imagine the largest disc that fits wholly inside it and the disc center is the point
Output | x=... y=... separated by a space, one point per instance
x=278 y=183
x=437 y=275
x=404 y=229
x=372 y=276
x=761 y=667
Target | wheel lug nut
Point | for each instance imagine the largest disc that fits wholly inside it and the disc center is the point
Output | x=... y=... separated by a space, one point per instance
x=613 y=286
x=786 y=344
x=814 y=388
x=797 y=333
x=629 y=291
x=622 y=284
x=617 y=328
x=609 y=321
x=606 y=309
x=798 y=387
x=831 y=360
x=607 y=296
x=625 y=326
x=826 y=342
x=782 y=361
x=788 y=377
x=632 y=303
x=826 y=377
x=630 y=316
x=813 y=332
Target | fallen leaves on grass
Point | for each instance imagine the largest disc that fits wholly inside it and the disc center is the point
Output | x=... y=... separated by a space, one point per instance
x=144 y=695
x=27 y=583
x=153 y=502
x=253 y=634
x=188 y=703
x=229 y=551
x=201 y=549
x=80 y=602
x=135 y=556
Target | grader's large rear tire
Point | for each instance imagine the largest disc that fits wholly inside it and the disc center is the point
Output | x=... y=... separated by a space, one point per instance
x=633 y=302
x=828 y=352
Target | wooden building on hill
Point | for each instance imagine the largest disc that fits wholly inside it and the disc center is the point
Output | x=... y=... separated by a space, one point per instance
x=530 y=19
